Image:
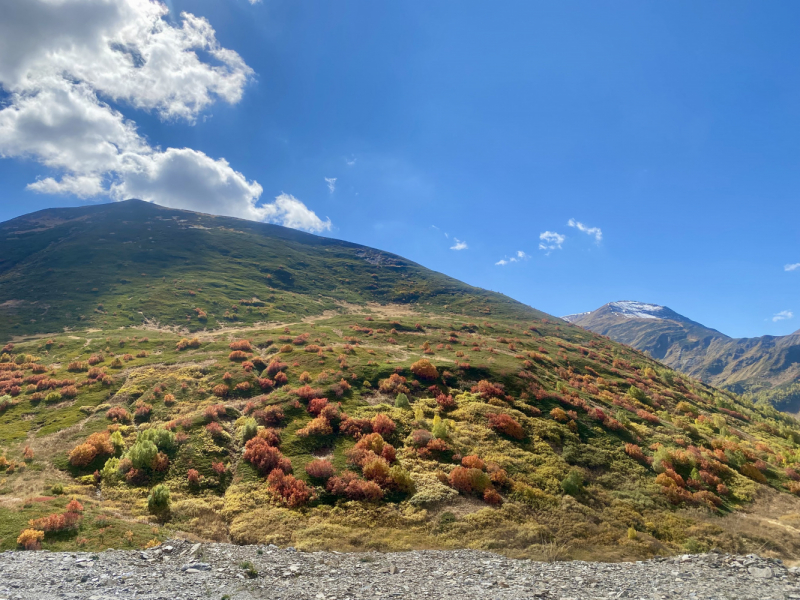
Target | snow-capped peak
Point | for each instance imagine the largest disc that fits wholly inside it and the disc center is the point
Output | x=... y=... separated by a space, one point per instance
x=640 y=310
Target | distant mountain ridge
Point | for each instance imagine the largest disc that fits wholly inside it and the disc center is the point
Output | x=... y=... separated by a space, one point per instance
x=767 y=366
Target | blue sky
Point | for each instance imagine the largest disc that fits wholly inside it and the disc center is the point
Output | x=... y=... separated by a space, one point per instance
x=669 y=131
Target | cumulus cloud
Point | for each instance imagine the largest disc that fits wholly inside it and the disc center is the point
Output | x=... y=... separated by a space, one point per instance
x=331 y=181
x=63 y=61
x=550 y=240
x=519 y=256
x=782 y=316
x=596 y=232
x=459 y=245
x=793 y=267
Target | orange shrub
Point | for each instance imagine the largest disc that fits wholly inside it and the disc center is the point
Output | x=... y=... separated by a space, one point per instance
x=491 y=497
x=82 y=455
x=468 y=480
x=118 y=414
x=160 y=463
x=306 y=393
x=220 y=391
x=424 y=369
x=318 y=426
x=559 y=415
x=31 y=539
x=316 y=405
x=237 y=355
x=383 y=425
x=241 y=345
x=215 y=430
x=473 y=462
x=186 y=343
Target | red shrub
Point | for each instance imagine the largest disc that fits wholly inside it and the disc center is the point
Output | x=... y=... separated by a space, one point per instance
x=281 y=379
x=270 y=415
x=647 y=416
x=218 y=468
x=488 y=390
x=507 y=425
x=73 y=506
x=355 y=427
x=214 y=412
x=320 y=469
x=243 y=387
x=316 y=405
x=193 y=477
x=143 y=410
x=264 y=457
x=275 y=366
x=215 y=430
x=118 y=414
x=293 y=492
x=353 y=488
x=445 y=402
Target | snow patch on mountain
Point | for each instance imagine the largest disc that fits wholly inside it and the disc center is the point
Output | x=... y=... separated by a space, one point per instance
x=576 y=316
x=640 y=310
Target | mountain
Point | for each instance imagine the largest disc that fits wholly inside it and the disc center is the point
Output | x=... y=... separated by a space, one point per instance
x=767 y=367
x=164 y=372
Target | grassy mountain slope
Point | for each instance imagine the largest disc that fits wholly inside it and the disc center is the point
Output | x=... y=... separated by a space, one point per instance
x=359 y=401
x=115 y=265
x=767 y=367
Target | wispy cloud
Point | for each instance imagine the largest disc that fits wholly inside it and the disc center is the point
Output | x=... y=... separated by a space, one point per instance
x=593 y=231
x=793 y=267
x=782 y=316
x=331 y=181
x=520 y=255
x=459 y=245
x=351 y=162
x=550 y=240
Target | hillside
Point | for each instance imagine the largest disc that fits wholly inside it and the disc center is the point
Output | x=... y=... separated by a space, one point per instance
x=767 y=368
x=169 y=373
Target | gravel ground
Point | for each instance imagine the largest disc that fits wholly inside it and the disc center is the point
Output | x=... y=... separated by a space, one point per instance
x=180 y=570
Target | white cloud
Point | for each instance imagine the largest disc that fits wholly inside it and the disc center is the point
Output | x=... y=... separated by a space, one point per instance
x=351 y=162
x=255 y=1
x=519 y=256
x=550 y=240
x=63 y=61
x=459 y=245
x=593 y=231
x=783 y=315
x=331 y=181
x=793 y=267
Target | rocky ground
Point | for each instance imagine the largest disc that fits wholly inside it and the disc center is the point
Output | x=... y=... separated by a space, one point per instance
x=180 y=570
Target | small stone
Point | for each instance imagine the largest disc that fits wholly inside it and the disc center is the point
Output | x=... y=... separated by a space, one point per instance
x=760 y=572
